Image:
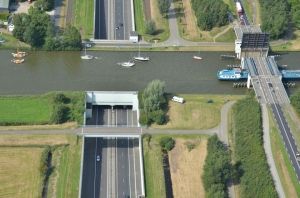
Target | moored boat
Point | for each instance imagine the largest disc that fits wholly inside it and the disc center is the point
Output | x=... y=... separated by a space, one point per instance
x=232 y=74
x=197 y=57
x=127 y=64
x=17 y=61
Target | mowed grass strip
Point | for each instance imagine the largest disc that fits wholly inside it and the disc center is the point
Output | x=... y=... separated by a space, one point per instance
x=25 y=110
x=283 y=164
x=153 y=166
x=139 y=16
x=19 y=172
x=198 y=112
x=84 y=17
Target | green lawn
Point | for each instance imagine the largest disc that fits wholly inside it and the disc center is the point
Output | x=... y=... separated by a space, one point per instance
x=24 y=110
x=139 y=16
x=198 y=111
x=229 y=36
x=284 y=167
x=84 y=17
x=12 y=43
x=154 y=175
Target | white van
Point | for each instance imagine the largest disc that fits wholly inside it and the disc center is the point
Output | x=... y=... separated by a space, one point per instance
x=178 y=99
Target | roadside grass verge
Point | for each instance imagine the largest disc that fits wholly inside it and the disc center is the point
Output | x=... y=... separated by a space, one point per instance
x=12 y=43
x=139 y=16
x=20 y=157
x=19 y=172
x=290 y=45
x=228 y=36
x=153 y=167
x=38 y=109
x=161 y=22
x=84 y=17
x=198 y=112
x=283 y=164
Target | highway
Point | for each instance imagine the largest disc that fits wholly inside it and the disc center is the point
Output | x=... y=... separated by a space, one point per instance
x=101 y=16
x=117 y=174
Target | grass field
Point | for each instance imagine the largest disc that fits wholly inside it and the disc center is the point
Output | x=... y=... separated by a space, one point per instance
x=154 y=175
x=197 y=112
x=20 y=161
x=19 y=172
x=24 y=110
x=284 y=167
x=186 y=168
x=228 y=36
x=12 y=43
x=84 y=17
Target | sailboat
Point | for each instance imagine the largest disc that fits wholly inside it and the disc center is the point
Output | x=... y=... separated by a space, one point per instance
x=127 y=64
x=141 y=58
x=197 y=57
x=86 y=56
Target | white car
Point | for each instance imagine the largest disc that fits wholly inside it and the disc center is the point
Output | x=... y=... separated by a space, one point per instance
x=98 y=158
x=298 y=156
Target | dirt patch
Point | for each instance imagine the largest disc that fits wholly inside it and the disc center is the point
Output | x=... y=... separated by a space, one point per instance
x=147 y=9
x=187 y=167
x=21 y=140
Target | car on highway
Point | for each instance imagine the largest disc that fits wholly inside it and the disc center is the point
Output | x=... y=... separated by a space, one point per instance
x=298 y=156
x=98 y=158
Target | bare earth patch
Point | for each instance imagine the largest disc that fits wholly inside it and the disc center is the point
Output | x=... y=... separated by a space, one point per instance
x=186 y=169
x=190 y=19
x=18 y=140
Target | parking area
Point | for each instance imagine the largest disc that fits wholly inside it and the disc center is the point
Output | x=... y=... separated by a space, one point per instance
x=112 y=116
x=111 y=167
x=113 y=19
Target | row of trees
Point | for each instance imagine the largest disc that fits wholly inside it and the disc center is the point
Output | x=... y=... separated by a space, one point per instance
x=210 y=13
x=217 y=169
x=295 y=11
x=256 y=180
x=37 y=29
x=152 y=103
x=275 y=17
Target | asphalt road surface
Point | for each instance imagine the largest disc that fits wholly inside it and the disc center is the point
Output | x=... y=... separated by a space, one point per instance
x=117 y=174
x=101 y=16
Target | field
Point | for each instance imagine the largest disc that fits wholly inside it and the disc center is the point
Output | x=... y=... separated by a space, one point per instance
x=139 y=16
x=187 y=167
x=12 y=43
x=198 y=112
x=283 y=165
x=19 y=172
x=84 y=17
x=24 y=110
x=20 y=157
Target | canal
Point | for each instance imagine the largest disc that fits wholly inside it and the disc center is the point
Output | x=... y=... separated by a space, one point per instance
x=48 y=71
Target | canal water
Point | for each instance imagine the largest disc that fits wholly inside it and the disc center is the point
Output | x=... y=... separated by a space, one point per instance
x=47 y=71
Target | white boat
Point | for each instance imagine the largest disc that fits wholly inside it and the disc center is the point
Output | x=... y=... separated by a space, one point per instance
x=197 y=57
x=127 y=64
x=86 y=56
x=141 y=58
x=17 y=61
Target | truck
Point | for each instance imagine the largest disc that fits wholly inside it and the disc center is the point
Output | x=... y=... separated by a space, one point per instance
x=239 y=7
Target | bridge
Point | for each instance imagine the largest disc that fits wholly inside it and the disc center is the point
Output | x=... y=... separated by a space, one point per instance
x=252 y=46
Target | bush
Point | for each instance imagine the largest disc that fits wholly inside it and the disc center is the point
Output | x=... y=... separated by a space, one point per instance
x=190 y=146
x=4 y=16
x=295 y=101
x=150 y=27
x=59 y=114
x=167 y=143
x=158 y=117
x=60 y=98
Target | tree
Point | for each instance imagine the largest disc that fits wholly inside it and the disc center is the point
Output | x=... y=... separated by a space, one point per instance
x=150 y=27
x=167 y=143
x=59 y=114
x=21 y=21
x=46 y=5
x=71 y=39
x=164 y=6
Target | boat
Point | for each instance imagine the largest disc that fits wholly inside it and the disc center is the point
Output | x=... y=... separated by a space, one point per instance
x=141 y=58
x=127 y=64
x=17 y=61
x=86 y=56
x=232 y=74
x=19 y=54
x=197 y=57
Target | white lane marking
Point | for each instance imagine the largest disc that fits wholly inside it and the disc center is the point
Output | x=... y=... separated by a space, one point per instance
x=127 y=117
x=95 y=169
x=116 y=117
x=129 y=169
x=97 y=115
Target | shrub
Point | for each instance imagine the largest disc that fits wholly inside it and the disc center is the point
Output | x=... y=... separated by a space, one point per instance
x=60 y=98
x=59 y=114
x=190 y=146
x=167 y=143
x=158 y=117
x=150 y=27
